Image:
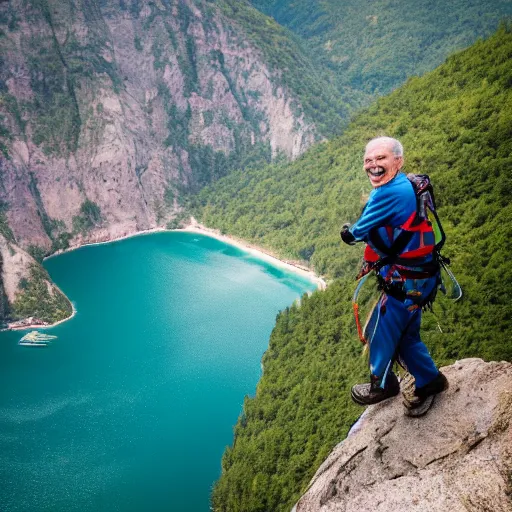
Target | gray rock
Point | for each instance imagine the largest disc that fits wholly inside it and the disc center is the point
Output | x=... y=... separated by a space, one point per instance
x=457 y=458
x=128 y=151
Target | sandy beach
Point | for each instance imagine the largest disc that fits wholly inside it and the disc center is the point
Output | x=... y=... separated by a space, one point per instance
x=258 y=252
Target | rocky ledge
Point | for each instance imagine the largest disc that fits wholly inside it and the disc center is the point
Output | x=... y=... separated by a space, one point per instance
x=457 y=458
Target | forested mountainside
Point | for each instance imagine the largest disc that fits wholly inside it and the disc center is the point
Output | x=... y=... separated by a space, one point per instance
x=373 y=47
x=456 y=125
x=26 y=290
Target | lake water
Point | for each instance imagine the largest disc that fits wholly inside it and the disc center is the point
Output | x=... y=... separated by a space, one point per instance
x=131 y=407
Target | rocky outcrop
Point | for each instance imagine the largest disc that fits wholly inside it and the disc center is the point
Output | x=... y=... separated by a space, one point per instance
x=457 y=458
x=16 y=265
x=26 y=289
x=123 y=105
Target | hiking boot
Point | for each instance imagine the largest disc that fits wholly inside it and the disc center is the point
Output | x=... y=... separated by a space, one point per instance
x=435 y=386
x=371 y=393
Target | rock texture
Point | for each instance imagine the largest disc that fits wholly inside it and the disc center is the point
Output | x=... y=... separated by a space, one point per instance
x=125 y=104
x=457 y=458
x=16 y=265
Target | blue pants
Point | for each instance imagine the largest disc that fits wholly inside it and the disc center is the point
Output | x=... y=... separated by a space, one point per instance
x=393 y=331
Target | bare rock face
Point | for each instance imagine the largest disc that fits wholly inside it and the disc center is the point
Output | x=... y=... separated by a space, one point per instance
x=16 y=265
x=124 y=105
x=457 y=458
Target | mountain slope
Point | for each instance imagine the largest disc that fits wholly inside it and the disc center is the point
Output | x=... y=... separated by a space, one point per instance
x=455 y=125
x=375 y=46
x=298 y=67
x=26 y=289
x=125 y=106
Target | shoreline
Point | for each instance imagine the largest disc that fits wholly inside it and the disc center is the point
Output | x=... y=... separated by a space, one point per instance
x=108 y=241
x=192 y=227
x=195 y=227
x=39 y=326
x=254 y=250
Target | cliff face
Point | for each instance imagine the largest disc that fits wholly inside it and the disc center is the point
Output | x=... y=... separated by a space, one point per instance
x=109 y=110
x=458 y=457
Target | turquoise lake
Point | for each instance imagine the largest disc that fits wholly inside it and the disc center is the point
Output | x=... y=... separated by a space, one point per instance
x=131 y=407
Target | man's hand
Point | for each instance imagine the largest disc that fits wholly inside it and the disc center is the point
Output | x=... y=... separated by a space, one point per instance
x=346 y=235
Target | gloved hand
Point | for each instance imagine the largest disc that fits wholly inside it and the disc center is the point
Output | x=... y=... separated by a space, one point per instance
x=346 y=235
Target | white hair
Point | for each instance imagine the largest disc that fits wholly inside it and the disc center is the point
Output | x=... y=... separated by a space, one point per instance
x=396 y=145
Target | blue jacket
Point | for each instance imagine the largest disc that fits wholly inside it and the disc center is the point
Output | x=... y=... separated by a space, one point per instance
x=390 y=210
x=389 y=205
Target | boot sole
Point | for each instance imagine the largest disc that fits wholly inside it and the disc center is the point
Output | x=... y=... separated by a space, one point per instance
x=360 y=402
x=422 y=409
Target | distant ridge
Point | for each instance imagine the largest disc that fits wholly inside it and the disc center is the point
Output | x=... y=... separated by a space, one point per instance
x=374 y=46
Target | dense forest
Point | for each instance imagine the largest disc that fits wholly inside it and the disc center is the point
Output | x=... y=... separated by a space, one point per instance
x=375 y=46
x=456 y=125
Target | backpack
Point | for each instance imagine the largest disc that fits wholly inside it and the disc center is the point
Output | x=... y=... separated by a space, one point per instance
x=426 y=207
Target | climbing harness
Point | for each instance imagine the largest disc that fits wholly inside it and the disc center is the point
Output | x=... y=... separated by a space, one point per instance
x=420 y=236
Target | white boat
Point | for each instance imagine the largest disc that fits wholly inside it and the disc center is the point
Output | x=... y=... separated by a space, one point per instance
x=33 y=343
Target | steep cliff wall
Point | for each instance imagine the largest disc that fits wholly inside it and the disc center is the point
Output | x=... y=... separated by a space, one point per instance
x=458 y=457
x=108 y=110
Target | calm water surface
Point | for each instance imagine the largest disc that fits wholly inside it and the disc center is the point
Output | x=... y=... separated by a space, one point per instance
x=131 y=407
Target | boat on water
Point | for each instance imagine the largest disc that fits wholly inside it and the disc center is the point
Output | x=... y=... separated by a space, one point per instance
x=33 y=343
x=36 y=339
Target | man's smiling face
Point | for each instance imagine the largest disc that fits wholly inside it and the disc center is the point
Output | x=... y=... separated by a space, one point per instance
x=380 y=163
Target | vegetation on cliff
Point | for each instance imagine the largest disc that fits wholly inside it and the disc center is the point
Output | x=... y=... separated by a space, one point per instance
x=5 y=308
x=297 y=66
x=456 y=126
x=90 y=216
x=39 y=299
x=62 y=67
x=302 y=406
x=27 y=290
x=51 y=114
x=5 y=230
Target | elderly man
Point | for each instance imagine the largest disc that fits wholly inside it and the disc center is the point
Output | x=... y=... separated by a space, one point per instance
x=407 y=272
